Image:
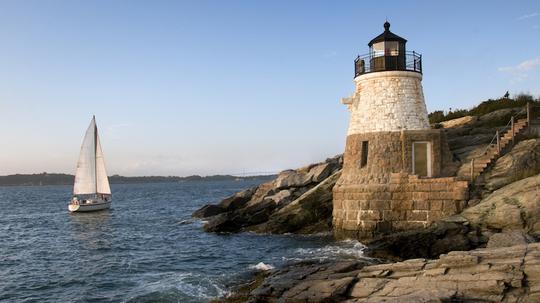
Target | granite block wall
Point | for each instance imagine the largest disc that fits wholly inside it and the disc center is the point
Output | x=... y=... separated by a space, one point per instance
x=405 y=202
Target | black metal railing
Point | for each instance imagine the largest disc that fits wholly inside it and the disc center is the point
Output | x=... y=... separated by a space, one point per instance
x=408 y=61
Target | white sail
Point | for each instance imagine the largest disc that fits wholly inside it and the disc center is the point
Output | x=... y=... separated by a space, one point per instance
x=85 y=177
x=101 y=173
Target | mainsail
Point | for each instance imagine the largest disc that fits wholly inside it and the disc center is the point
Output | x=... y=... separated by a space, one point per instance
x=91 y=176
x=102 y=181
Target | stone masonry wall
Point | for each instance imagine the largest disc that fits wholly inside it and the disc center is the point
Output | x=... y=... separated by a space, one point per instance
x=383 y=196
x=406 y=202
x=391 y=152
x=387 y=101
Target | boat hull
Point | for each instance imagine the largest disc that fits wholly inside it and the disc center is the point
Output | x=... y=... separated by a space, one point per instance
x=87 y=207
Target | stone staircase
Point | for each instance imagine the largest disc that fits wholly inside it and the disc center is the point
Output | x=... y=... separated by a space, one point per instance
x=497 y=147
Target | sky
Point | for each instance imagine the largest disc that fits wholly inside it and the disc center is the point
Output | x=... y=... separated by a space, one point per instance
x=231 y=87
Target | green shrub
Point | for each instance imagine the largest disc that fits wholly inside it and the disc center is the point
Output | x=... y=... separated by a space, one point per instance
x=484 y=107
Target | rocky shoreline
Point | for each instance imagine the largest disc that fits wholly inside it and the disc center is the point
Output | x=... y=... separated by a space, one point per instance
x=297 y=201
x=487 y=253
x=509 y=274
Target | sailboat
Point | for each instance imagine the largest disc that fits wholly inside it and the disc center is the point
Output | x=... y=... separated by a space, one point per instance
x=91 y=191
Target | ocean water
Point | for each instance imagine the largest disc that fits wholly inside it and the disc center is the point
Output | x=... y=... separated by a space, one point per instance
x=145 y=249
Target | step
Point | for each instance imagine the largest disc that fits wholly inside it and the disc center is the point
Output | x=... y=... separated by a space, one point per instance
x=507 y=136
x=489 y=154
x=483 y=159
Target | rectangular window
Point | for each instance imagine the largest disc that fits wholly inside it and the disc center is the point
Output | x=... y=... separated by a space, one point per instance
x=421 y=159
x=377 y=49
x=391 y=48
x=364 y=154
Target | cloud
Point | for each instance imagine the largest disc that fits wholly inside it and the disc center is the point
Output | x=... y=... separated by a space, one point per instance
x=535 y=14
x=521 y=71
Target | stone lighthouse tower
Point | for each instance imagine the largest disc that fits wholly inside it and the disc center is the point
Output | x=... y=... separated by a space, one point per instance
x=397 y=170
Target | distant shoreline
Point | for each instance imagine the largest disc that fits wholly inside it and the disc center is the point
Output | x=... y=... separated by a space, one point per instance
x=45 y=179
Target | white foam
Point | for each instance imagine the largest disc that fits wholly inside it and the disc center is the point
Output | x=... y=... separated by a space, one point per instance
x=350 y=249
x=190 y=284
x=261 y=266
x=183 y=222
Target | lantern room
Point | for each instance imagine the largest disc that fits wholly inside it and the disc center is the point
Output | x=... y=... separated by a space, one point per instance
x=387 y=52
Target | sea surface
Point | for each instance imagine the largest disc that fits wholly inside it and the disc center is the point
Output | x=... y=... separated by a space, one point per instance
x=146 y=248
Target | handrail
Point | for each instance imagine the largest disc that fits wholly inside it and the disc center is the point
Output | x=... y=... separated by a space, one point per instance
x=509 y=126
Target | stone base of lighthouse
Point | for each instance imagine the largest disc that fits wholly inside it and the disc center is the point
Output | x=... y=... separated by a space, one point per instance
x=378 y=193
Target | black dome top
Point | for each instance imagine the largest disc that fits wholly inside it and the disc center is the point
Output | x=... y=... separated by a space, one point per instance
x=387 y=35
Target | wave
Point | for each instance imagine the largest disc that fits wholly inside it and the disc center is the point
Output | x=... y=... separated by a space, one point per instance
x=262 y=267
x=346 y=249
x=178 y=287
x=184 y=222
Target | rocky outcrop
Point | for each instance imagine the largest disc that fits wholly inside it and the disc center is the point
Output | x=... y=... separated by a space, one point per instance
x=296 y=201
x=522 y=161
x=310 y=213
x=514 y=206
x=443 y=236
x=231 y=203
x=309 y=282
x=508 y=274
x=468 y=136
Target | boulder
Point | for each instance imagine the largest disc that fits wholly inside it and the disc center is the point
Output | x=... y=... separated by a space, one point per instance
x=280 y=198
x=320 y=172
x=292 y=178
x=263 y=190
x=514 y=206
x=521 y=162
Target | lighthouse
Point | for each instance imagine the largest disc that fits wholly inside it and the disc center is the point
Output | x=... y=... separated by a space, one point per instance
x=397 y=171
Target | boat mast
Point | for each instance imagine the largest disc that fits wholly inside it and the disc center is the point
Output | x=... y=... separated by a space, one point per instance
x=95 y=155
